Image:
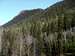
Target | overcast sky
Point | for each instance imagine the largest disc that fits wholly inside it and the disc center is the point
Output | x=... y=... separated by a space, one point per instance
x=11 y=8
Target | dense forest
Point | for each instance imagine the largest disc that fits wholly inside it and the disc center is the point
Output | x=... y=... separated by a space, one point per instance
x=39 y=32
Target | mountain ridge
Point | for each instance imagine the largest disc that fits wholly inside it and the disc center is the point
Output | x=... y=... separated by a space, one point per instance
x=51 y=11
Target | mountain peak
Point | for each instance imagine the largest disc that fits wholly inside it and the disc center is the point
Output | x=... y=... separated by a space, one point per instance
x=30 y=12
x=24 y=14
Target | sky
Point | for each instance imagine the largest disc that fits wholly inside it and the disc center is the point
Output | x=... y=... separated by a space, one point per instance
x=11 y=8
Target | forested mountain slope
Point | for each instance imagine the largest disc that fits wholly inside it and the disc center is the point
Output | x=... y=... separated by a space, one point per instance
x=25 y=14
x=36 y=13
x=58 y=8
x=41 y=32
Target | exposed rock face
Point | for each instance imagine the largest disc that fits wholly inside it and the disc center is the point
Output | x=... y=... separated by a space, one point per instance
x=69 y=3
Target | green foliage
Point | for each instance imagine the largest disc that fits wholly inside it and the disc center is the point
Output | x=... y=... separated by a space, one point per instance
x=47 y=29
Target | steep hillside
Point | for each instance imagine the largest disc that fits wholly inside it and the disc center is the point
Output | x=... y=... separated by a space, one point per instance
x=49 y=32
x=36 y=13
x=50 y=12
x=25 y=14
